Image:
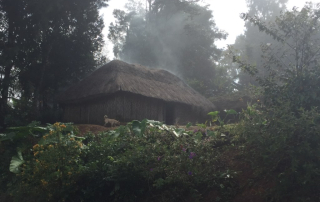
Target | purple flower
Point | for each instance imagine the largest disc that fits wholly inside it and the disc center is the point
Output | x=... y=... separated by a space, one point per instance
x=189 y=173
x=184 y=149
x=151 y=169
x=195 y=130
x=192 y=154
x=159 y=158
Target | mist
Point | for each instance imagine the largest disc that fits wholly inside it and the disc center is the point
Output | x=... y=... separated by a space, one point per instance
x=172 y=35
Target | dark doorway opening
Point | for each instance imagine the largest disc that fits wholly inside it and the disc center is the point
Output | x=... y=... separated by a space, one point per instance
x=169 y=114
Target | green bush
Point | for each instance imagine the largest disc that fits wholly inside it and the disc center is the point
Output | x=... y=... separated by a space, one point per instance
x=282 y=135
x=284 y=147
x=141 y=161
x=21 y=138
x=49 y=171
x=148 y=160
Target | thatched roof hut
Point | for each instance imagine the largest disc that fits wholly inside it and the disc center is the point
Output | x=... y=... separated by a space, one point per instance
x=128 y=92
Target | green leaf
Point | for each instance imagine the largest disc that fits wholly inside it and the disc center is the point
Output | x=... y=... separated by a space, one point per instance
x=178 y=132
x=9 y=136
x=215 y=113
x=157 y=123
x=201 y=125
x=221 y=122
x=114 y=134
x=211 y=133
x=24 y=131
x=69 y=128
x=188 y=125
x=231 y=111
x=198 y=137
x=136 y=128
x=16 y=162
x=123 y=130
x=143 y=125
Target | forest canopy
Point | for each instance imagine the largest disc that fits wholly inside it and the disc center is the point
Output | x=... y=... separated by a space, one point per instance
x=45 y=45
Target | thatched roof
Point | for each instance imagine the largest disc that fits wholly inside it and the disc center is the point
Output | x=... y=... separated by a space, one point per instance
x=120 y=76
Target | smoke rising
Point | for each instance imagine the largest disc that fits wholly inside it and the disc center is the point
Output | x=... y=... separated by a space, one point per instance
x=177 y=36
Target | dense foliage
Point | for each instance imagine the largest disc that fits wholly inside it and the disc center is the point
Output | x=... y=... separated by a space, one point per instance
x=140 y=161
x=281 y=135
x=293 y=65
x=284 y=150
x=45 y=45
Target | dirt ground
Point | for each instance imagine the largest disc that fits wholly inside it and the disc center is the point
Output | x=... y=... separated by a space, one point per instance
x=84 y=128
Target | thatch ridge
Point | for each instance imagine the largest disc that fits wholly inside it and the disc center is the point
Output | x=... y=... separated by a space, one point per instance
x=120 y=76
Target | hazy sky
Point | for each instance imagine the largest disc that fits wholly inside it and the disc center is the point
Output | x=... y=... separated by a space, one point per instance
x=226 y=15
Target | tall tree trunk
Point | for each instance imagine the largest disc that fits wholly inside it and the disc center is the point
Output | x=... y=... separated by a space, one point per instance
x=5 y=95
x=46 y=49
x=9 y=55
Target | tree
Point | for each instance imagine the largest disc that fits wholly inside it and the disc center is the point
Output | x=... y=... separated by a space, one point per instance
x=293 y=62
x=175 y=35
x=249 y=44
x=11 y=14
x=285 y=129
x=55 y=43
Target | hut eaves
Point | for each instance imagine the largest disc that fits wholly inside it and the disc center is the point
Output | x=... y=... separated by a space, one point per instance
x=120 y=76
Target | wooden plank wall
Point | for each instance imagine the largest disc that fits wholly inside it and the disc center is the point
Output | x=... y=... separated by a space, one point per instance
x=121 y=106
x=186 y=113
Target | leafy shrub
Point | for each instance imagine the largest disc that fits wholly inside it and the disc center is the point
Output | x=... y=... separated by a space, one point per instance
x=285 y=148
x=141 y=161
x=282 y=135
x=150 y=160
x=23 y=138
x=49 y=172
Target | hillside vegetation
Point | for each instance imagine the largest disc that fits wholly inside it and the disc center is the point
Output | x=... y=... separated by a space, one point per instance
x=271 y=153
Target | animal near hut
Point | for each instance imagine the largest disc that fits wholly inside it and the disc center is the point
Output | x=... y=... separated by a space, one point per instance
x=129 y=92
